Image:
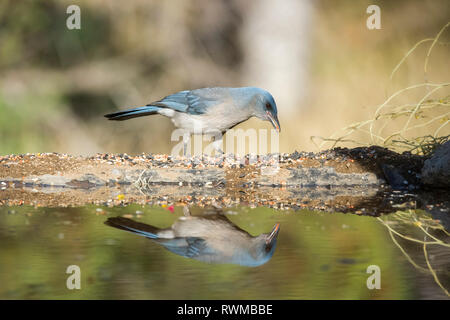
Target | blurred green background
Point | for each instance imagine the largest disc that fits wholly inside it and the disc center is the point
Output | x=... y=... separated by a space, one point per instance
x=323 y=66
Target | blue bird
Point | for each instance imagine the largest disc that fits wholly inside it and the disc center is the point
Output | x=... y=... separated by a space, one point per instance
x=211 y=238
x=209 y=110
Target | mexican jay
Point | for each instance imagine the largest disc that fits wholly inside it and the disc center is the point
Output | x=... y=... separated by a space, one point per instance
x=209 y=110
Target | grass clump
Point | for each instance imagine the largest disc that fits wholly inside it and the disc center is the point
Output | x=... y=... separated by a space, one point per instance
x=395 y=124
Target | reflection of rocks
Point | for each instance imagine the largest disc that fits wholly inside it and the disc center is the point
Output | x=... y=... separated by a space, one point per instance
x=360 y=200
x=437 y=203
x=436 y=170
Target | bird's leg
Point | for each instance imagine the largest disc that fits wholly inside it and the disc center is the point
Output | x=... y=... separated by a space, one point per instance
x=186 y=138
x=218 y=144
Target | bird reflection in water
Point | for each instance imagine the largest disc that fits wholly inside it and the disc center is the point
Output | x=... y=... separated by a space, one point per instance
x=209 y=238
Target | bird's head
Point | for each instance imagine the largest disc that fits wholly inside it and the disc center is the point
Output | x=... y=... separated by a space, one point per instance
x=264 y=247
x=266 y=108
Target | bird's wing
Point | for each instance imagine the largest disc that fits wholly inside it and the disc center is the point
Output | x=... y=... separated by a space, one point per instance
x=194 y=102
x=190 y=247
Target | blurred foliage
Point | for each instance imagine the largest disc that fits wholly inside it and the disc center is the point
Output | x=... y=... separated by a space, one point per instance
x=318 y=255
x=33 y=34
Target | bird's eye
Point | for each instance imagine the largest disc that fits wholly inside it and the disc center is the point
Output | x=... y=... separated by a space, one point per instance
x=268 y=106
x=268 y=247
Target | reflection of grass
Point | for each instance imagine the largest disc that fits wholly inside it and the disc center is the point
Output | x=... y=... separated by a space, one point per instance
x=424 y=224
x=428 y=111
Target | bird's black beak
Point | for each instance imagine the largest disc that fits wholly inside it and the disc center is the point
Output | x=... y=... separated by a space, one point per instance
x=273 y=234
x=274 y=120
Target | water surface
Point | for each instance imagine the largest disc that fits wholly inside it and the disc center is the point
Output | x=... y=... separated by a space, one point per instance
x=317 y=256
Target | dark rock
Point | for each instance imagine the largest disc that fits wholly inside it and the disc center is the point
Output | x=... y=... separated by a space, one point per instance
x=436 y=170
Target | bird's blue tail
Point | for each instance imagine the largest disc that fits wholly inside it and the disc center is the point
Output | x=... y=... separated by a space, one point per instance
x=133 y=226
x=132 y=113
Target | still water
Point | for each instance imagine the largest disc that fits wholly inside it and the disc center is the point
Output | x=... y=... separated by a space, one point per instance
x=237 y=253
